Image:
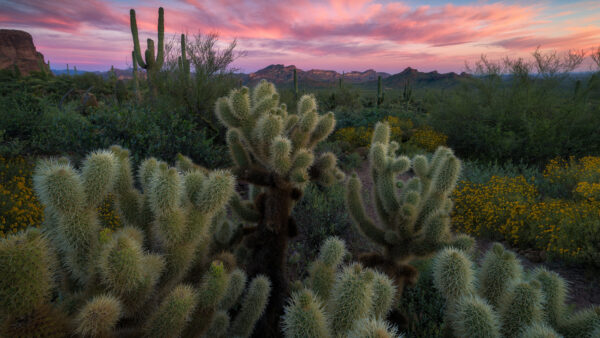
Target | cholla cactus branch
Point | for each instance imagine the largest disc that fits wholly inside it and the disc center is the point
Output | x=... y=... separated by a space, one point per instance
x=274 y=150
x=503 y=301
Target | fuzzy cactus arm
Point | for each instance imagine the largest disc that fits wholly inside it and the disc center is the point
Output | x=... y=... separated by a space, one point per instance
x=173 y=313
x=304 y=316
x=137 y=51
x=98 y=173
x=238 y=152
x=358 y=213
x=243 y=210
x=351 y=298
x=99 y=316
x=253 y=306
x=26 y=280
x=237 y=284
x=472 y=316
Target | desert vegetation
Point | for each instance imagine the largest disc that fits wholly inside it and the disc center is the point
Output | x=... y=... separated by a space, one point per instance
x=183 y=201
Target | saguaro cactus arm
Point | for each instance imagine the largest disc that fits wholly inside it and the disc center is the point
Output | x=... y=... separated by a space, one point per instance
x=150 y=63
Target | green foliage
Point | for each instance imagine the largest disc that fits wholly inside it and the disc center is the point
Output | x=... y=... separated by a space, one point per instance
x=518 y=116
x=504 y=302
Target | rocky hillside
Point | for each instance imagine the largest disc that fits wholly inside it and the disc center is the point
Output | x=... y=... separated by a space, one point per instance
x=17 y=48
x=280 y=74
x=418 y=79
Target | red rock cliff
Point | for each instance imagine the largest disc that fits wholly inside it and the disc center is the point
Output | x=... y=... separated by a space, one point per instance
x=17 y=48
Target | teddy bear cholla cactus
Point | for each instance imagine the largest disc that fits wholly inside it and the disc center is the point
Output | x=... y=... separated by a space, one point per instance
x=500 y=300
x=273 y=151
x=150 y=278
x=336 y=301
x=414 y=216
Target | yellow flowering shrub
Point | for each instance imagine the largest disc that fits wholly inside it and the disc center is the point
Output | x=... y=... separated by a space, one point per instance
x=428 y=139
x=108 y=215
x=511 y=209
x=355 y=136
x=485 y=209
x=19 y=208
x=567 y=175
x=401 y=130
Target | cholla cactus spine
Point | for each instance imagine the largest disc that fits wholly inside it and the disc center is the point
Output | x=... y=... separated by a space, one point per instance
x=274 y=150
x=527 y=305
x=355 y=307
x=126 y=281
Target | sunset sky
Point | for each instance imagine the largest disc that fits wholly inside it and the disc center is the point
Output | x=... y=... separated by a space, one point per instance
x=341 y=35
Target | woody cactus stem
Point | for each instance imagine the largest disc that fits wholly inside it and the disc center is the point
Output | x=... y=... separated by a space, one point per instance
x=149 y=62
x=379 y=91
x=414 y=216
x=135 y=74
x=274 y=151
x=183 y=62
x=295 y=84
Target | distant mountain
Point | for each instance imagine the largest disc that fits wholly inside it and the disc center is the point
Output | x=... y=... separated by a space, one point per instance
x=280 y=74
x=418 y=79
x=315 y=78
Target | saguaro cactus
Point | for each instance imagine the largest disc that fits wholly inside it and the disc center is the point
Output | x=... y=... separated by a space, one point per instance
x=149 y=61
x=182 y=61
x=414 y=221
x=136 y=86
x=295 y=84
x=340 y=302
x=150 y=278
x=273 y=151
x=379 y=91
x=499 y=300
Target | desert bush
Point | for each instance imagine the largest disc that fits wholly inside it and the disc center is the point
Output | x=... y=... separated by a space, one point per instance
x=423 y=304
x=321 y=213
x=519 y=117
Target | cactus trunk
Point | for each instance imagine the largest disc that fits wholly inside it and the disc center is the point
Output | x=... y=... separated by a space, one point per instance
x=295 y=85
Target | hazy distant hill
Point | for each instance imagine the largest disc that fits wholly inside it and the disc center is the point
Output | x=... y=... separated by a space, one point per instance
x=420 y=79
x=280 y=74
x=315 y=78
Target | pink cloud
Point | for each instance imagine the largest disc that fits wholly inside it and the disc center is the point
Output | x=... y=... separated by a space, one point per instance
x=385 y=35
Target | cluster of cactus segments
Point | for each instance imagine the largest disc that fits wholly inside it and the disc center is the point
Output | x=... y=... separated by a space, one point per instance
x=157 y=276
x=338 y=300
x=500 y=299
x=273 y=152
x=182 y=61
x=413 y=214
x=263 y=136
x=149 y=60
x=380 y=93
